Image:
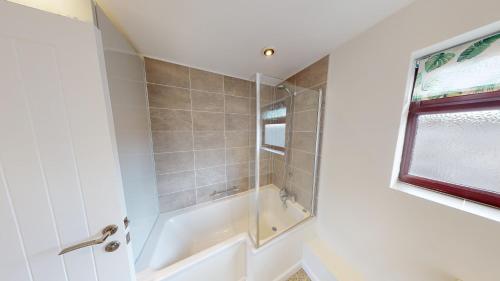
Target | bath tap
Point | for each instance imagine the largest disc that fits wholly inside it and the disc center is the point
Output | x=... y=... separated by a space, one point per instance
x=285 y=196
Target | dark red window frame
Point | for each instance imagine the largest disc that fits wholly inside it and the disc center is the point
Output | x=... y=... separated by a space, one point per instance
x=466 y=103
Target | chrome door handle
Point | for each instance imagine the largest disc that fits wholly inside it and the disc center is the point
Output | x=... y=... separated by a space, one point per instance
x=106 y=232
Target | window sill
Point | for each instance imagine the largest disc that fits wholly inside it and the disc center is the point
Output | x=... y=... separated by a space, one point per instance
x=273 y=150
x=450 y=201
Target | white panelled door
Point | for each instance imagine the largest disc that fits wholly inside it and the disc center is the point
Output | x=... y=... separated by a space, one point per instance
x=60 y=181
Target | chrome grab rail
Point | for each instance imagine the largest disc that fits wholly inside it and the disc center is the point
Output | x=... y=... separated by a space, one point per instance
x=217 y=193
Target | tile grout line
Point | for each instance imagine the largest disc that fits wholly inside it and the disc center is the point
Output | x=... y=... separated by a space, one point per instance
x=192 y=137
x=225 y=136
x=203 y=111
x=188 y=189
x=198 y=90
x=212 y=167
x=195 y=150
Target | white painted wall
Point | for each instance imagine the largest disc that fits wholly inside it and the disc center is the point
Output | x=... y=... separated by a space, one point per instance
x=386 y=234
x=78 y=9
x=127 y=87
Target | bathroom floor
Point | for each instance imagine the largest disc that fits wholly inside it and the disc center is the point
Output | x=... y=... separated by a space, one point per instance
x=300 y=275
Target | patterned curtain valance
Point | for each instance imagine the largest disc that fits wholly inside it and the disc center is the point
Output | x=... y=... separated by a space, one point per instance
x=466 y=69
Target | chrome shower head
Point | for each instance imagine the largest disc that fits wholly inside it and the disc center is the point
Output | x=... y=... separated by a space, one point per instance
x=283 y=87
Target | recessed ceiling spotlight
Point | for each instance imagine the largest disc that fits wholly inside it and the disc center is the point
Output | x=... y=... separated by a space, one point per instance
x=268 y=52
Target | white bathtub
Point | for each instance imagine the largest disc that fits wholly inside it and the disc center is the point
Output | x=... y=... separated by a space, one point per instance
x=183 y=238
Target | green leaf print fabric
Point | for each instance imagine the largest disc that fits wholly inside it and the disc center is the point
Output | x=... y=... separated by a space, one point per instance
x=470 y=68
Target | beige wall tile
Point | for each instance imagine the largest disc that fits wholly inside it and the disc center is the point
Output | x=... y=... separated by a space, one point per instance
x=301 y=179
x=252 y=122
x=252 y=105
x=129 y=67
x=127 y=93
x=174 y=162
x=209 y=158
x=206 y=121
x=243 y=184
x=264 y=180
x=168 y=97
x=177 y=200
x=175 y=182
x=127 y=118
x=206 y=101
x=172 y=141
x=237 y=138
x=302 y=160
x=302 y=196
x=237 y=105
x=305 y=121
x=204 y=194
x=208 y=139
x=236 y=87
x=263 y=153
x=206 y=81
x=304 y=141
x=166 y=73
x=278 y=157
x=265 y=167
x=170 y=120
x=266 y=94
x=277 y=179
x=210 y=176
x=134 y=143
x=237 y=122
x=300 y=167
x=313 y=75
x=238 y=171
x=307 y=100
x=237 y=155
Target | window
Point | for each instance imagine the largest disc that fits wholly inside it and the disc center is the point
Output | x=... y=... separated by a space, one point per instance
x=274 y=127
x=452 y=141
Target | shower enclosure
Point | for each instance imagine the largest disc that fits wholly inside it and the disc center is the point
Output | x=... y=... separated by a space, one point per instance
x=287 y=133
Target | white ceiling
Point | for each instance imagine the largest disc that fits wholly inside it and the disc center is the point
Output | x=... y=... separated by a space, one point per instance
x=227 y=36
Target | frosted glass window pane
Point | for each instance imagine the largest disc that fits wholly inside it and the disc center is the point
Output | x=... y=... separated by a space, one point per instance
x=275 y=113
x=275 y=134
x=460 y=148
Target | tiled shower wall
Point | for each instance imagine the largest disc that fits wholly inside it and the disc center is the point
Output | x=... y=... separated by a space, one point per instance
x=203 y=126
x=299 y=177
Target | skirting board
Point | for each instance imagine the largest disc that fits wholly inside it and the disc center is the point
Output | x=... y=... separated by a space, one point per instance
x=285 y=275
x=315 y=268
x=311 y=274
x=293 y=269
x=288 y=273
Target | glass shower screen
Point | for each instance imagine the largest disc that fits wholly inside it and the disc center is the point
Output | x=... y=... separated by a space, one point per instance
x=286 y=128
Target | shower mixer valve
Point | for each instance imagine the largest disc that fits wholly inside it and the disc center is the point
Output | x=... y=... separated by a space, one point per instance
x=285 y=196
